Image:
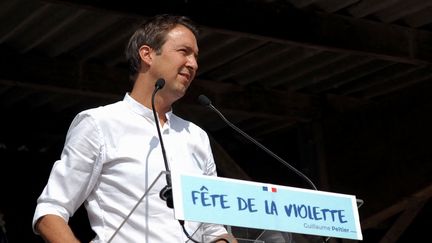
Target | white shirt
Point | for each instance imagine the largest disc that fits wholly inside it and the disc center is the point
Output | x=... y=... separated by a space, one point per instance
x=111 y=156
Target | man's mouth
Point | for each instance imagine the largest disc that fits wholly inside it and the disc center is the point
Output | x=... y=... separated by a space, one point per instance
x=186 y=75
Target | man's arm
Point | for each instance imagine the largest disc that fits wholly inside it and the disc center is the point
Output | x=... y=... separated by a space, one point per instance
x=54 y=229
x=226 y=238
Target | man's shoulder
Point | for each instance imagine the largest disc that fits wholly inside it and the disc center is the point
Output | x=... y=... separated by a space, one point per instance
x=102 y=112
x=107 y=109
x=186 y=123
x=181 y=124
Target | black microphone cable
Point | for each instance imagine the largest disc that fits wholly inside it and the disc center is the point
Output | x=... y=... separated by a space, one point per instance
x=186 y=233
x=166 y=192
x=203 y=100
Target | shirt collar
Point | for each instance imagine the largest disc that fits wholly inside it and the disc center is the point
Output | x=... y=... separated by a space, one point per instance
x=141 y=109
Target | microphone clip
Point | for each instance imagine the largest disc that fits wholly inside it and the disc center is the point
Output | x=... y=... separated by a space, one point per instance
x=166 y=195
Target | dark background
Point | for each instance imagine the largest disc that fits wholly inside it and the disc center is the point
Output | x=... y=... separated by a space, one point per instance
x=339 y=89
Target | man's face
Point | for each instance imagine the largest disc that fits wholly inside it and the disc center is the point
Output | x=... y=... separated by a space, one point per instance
x=177 y=62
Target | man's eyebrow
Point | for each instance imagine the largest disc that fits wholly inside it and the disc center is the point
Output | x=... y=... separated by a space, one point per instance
x=190 y=49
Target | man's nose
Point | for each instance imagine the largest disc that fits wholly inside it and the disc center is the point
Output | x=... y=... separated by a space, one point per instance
x=192 y=63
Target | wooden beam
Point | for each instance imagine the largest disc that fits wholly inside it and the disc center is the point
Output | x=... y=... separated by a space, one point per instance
x=260 y=102
x=282 y=22
x=225 y=164
x=88 y=79
x=403 y=221
x=373 y=221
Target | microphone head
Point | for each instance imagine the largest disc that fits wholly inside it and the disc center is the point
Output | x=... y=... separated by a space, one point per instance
x=203 y=100
x=160 y=83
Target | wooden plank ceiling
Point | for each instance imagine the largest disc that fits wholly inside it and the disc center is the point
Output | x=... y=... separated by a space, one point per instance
x=270 y=66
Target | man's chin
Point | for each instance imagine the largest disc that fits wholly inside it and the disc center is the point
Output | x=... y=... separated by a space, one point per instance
x=179 y=94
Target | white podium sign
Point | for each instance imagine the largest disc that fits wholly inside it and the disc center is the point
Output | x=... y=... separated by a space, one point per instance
x=264 y=206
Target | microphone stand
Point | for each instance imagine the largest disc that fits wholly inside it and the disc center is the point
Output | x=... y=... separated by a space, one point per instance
x=166 y=193
x=202 y=99
x=136 y=206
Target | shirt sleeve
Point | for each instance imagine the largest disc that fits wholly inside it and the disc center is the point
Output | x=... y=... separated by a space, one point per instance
x=210 y=165
x=211 y=229
x=73 y=176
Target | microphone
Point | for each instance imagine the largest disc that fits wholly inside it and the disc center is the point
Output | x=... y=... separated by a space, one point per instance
x=166 y=192
x=203 y=100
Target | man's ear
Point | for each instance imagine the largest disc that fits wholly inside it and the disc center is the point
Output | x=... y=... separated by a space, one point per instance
x=145 y=54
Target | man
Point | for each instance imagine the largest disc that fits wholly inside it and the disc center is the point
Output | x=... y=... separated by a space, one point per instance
x=112 y=154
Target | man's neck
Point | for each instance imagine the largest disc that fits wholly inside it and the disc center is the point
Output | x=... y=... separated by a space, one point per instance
x=142 y=92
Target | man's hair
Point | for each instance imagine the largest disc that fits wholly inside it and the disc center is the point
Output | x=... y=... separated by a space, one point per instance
x=153 y=33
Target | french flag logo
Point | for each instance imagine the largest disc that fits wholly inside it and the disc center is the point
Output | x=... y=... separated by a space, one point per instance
x=269 y=189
